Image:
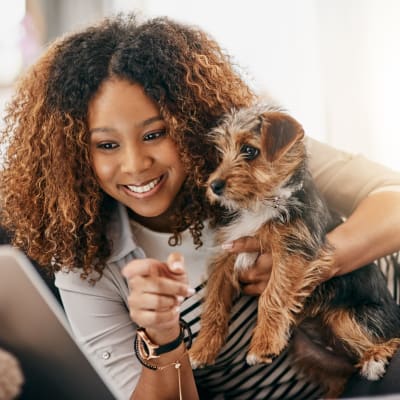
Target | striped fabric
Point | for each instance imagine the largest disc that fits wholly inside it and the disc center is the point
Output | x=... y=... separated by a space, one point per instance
x=390 y=266
x=231 y=377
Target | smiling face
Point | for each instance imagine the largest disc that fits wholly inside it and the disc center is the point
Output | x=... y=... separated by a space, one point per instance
x=134 y=159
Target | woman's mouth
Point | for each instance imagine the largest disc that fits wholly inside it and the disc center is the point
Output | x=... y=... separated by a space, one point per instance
x=148 y=187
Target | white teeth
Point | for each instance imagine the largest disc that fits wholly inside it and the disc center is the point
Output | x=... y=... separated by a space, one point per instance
x=144 y=188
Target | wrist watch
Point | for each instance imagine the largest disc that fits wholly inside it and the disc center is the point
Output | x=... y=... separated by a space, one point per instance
x=149 y=350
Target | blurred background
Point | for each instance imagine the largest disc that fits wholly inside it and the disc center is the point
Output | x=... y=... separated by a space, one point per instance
x=333 y=64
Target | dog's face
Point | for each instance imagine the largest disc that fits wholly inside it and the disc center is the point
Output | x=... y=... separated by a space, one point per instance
x=260 y=149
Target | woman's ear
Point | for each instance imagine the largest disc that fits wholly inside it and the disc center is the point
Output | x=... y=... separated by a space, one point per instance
x=279 y=132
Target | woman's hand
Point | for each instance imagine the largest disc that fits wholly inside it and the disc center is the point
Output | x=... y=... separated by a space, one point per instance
x=157 y=290
x=254 y=280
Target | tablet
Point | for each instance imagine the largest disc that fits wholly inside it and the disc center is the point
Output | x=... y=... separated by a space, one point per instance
x=34 y=328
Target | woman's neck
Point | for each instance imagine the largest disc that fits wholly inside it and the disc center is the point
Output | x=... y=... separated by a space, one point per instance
x=161 y=223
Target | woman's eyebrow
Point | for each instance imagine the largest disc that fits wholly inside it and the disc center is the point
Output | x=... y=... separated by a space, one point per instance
x=144 y=123
x=104 y=129
x=149 y=121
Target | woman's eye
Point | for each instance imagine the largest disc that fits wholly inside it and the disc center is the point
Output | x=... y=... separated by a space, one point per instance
x=249 y=152
x=154 y=135
x=107 y=146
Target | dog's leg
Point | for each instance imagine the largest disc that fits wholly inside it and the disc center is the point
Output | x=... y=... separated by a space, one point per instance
x=292 y=280
x=274 y=320
x=215 y=314
x=374 y=361
x=320 y=363
x=373 y=357
x=276 y=307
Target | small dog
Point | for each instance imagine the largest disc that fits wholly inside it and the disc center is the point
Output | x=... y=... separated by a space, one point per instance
x=265 y=186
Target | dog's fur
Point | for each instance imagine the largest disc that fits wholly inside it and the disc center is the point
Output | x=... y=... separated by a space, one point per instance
x=264 y=184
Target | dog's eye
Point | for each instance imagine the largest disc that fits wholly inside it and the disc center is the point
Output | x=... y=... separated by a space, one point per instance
x=249 y=152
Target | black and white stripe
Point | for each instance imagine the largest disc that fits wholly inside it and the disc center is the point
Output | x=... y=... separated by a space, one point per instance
x=230 y=377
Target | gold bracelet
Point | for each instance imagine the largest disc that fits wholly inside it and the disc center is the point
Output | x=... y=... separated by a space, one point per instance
x=177 y=364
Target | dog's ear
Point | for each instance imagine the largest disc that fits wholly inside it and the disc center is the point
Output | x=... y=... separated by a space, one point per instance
x=279 y=133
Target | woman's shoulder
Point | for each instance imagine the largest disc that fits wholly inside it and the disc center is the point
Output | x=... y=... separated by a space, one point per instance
x=110 y=283
x=346 y=178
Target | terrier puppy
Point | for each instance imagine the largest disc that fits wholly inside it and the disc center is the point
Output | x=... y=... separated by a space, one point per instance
x=263 y=183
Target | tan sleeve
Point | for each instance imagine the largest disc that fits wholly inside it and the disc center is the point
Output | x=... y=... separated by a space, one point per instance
x=345 y=179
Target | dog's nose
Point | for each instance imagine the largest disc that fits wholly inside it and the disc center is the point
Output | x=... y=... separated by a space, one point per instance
x=217 y=186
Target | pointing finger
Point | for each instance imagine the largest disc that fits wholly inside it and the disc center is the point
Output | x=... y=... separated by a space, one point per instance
x=175 y=263
x=142 y=267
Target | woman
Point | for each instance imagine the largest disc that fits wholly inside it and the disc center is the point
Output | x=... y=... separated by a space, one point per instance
x=103 y=184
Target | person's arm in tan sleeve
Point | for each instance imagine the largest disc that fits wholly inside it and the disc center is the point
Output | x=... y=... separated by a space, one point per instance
x=368 y=195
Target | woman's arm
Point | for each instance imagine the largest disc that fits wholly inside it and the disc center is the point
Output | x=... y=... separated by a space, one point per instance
x=100 y=319
x=367 y=194
x=345 y=179
x=169 y=383
x=156 y=292
x=370 y=232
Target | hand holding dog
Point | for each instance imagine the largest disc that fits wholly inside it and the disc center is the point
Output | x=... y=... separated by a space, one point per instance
x=254 y=280
x=156 y=291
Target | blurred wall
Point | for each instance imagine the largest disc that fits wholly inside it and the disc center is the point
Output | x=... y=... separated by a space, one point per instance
x=64 y=15
x=332 y=63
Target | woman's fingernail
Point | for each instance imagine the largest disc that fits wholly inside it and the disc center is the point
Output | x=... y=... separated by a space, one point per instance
x=227 y=245
x=177 y=266
x=191 y=291
x=180 y=299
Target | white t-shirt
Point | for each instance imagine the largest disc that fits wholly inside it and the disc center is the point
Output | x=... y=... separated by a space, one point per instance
x=155 y=244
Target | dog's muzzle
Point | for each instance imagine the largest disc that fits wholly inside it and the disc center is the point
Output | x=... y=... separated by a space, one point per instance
x=217 y=186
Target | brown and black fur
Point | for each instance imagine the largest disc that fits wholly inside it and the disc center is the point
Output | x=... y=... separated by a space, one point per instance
x=268 y=192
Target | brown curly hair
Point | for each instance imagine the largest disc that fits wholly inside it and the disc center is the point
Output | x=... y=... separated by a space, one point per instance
x=50 y=199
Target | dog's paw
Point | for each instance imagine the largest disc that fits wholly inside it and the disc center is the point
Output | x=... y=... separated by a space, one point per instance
x=255 y=359
x=373 y=370
x=199 y=359
x=265 y=346
x=205 y=348
x=245 y=260
x=195 y=364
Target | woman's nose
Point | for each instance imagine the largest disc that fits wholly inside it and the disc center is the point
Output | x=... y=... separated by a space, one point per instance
x=135 y=160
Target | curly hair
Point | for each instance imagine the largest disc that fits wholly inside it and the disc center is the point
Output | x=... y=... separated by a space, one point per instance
x=50 y=199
